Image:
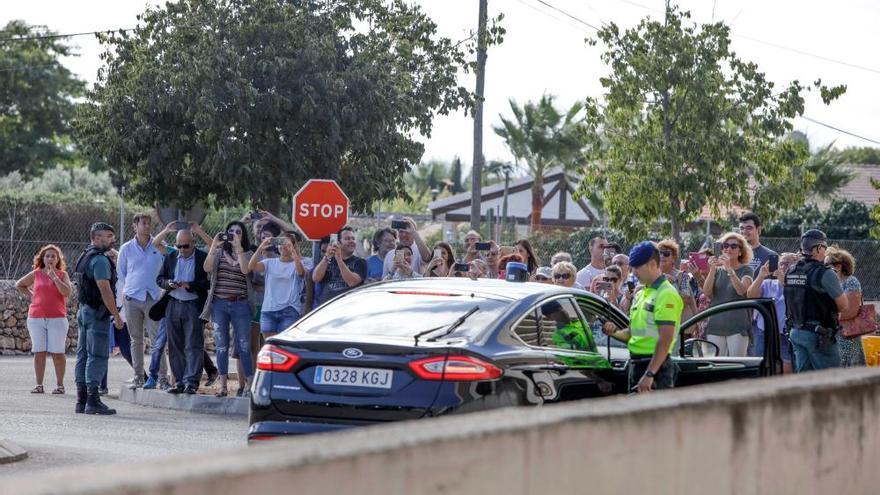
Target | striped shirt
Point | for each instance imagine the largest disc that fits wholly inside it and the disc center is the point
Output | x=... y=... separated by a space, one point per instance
x=230 y=281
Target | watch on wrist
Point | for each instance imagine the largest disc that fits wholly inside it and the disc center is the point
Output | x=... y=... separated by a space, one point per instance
x=649 y=374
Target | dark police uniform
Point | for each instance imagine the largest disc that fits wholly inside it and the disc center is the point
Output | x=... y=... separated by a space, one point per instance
x=811 y=314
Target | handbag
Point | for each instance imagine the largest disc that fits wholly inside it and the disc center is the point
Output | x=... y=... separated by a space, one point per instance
x=864 y=322
x=157 y=311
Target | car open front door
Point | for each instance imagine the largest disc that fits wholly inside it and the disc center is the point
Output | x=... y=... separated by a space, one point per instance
x=698 y=361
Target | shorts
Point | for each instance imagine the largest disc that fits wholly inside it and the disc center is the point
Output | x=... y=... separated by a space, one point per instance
x=48 y=334
x=278 y=321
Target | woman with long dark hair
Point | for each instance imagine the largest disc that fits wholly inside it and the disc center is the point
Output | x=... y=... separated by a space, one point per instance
x=441 y=264
x=48 y=286
x=230 y=301
x=525 y=251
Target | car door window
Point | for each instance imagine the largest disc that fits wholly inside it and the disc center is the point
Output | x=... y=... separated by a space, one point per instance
x=528 y=328
x=561 y=327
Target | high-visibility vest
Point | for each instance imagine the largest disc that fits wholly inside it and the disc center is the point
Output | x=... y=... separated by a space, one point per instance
x=659 y=304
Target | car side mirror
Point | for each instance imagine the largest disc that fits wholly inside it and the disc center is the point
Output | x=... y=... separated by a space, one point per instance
x=700 y=348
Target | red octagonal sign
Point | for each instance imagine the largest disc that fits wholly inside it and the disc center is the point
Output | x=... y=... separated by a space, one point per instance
x=320 y=208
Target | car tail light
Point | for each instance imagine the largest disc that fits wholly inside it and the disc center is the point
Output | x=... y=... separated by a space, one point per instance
x=454 y=368
x=261 y=438
x=273 y=358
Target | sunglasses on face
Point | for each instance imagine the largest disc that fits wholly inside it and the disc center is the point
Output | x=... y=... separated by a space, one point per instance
x=562 y=276
x=184 y=246
x=665 y=253
x=730 y=245
x=541 y=278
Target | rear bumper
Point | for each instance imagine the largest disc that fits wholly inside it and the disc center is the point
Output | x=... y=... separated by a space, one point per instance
x=266 y=430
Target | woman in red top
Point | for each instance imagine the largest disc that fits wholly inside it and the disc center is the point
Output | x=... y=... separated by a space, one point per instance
x=48 y=286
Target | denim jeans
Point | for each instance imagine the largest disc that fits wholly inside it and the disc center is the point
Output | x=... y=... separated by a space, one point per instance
x=278 y=321
x=809 y=355
x=157 y=352
x=92 y=347
x=237 y=314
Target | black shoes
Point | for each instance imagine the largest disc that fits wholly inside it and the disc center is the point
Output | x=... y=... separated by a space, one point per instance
x=212 y=377
x=94 y=404
x=81 y=398
x=189 y=390
x=177 y=389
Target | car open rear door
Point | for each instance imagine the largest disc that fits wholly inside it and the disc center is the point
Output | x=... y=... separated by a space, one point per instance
x=697 y=363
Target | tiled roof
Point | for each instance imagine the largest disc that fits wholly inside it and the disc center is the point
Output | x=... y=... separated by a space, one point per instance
x=860 y=189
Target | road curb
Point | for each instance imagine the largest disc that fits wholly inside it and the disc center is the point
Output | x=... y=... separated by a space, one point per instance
x=11 y=452
x=201 y=404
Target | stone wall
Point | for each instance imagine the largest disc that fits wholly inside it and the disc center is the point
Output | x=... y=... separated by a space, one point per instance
x=14 y=338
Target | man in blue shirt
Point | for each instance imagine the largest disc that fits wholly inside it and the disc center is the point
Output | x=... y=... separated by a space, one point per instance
x=137 y=268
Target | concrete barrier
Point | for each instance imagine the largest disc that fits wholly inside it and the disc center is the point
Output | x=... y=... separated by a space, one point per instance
x=815 y=433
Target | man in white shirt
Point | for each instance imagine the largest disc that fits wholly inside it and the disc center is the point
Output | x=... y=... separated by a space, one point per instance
x=409 y=237
x=597 y=262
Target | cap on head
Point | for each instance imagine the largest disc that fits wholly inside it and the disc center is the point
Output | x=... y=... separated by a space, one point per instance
x=544 y=271
x=101 y=227
x=812 y=238
x=641 y=253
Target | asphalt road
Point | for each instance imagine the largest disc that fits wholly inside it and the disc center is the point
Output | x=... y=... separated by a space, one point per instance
x=46 y=426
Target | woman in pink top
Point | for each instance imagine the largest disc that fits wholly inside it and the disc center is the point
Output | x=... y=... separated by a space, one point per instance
x=48 y=286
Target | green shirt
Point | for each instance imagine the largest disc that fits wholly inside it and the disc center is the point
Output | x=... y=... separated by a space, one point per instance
x=656 y=305
x=99 y=268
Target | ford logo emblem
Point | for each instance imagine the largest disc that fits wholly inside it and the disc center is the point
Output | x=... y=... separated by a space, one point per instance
x=352 y=353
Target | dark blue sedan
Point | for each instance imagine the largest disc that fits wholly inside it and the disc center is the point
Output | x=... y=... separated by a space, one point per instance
x=428 y=347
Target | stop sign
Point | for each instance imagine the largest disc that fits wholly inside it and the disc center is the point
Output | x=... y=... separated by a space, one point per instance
x=320 y=208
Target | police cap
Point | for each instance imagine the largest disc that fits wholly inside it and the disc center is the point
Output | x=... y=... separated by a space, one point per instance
x=812 y=238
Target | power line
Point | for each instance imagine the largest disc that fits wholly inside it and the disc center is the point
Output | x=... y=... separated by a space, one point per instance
x=55 y=36
x=838 y=129
x=578 y=19
x=548 y=14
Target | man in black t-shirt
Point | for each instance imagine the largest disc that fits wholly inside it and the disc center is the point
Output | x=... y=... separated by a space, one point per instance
x=340 y=270
x=750 y=227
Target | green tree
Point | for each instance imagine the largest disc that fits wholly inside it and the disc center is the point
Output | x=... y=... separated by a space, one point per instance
x=36 y=99
x=543 y=138
x=455 y=177
x=827 y=166
x=860 y=156
x=241 y=101
x=688 y=124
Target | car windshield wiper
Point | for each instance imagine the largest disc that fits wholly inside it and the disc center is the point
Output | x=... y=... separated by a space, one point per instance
x=449 y=329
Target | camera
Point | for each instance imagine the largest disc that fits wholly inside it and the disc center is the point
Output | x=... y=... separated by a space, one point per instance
x=399 y=225
x=224 y=237
x=255 y=215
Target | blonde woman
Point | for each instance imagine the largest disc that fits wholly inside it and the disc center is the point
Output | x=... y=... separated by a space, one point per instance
x=844 y=265
x=48 y=287
x=564 y=274
x=729 y=279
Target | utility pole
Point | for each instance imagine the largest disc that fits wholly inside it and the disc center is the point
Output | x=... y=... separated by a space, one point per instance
x=477 y=173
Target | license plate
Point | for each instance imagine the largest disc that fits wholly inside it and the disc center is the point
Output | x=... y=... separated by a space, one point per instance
x=353 y=377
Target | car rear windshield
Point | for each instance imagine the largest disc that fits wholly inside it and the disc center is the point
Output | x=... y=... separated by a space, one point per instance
x=402 y=314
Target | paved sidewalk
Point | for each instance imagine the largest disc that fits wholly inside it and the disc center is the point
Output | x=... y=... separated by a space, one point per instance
x=11 y=452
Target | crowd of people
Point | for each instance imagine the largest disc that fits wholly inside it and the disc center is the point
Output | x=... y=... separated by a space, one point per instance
x=164 y=288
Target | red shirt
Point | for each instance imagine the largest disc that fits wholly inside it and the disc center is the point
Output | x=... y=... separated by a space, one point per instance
x=47 y=301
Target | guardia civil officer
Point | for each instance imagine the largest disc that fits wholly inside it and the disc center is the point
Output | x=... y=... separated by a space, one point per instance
x=96 y=277
x=655 y=317
x=813 y=300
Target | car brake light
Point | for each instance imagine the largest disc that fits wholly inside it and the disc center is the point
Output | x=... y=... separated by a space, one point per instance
x=454 y=368
x=273 y=358
x=255 y=438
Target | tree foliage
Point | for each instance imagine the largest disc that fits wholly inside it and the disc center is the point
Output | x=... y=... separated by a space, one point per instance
x=542 y=138
x=36 y=100
x=241 y=101
x=687 y=124
x=841 y=219
x=860 y=156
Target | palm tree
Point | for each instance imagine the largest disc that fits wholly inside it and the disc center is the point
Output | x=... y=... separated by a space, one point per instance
x=542 y=138
x=827 y=165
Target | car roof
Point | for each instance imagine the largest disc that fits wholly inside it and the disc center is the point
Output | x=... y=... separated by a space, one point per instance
x=486 y=287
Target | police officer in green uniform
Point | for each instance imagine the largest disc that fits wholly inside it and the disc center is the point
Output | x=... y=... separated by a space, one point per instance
x=96 y=277
x=655 y=317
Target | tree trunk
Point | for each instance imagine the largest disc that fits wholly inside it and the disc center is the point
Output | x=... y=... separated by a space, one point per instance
x=477 y=173
x=537 y=202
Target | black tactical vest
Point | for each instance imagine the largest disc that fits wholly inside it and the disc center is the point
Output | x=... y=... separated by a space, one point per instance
x=805 y=306
x=87 y=289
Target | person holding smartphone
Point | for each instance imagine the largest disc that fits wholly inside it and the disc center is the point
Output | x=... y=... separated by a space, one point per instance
x=770 y=283
x=408 y=235
x=403 y=264
x=340 y=270
x=441 y=264
x=728 y=280
x=284 y=278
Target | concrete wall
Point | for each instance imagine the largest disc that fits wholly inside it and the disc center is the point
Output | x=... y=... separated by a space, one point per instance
x=815 y=433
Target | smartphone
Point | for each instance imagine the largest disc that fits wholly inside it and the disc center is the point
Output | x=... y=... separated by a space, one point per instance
x=279 y=241
x=438 y=253
x=180 y=225
x=700 y=260
x=631 y=286
x=716 y=248
x=334 y=238
x=603 y=286
x=773 y=261
x=255 y=215
x=400 y=256
x=482 y=246
x=399 y=225
x=460 y=267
